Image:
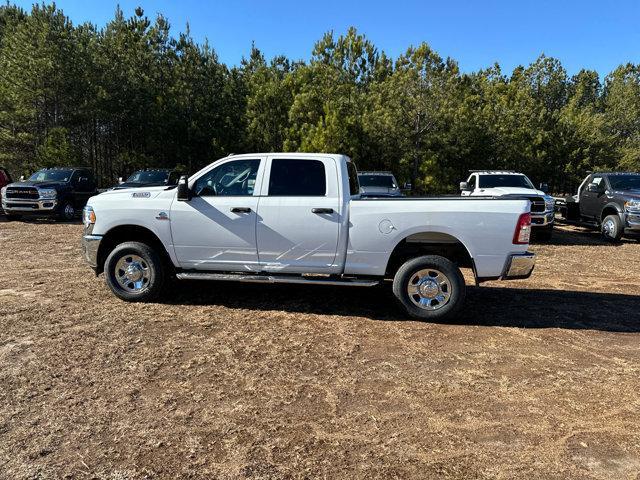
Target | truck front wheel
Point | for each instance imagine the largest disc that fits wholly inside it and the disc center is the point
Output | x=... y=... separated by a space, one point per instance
x=134 y=272
x=430 y=287
x=66 y=212
x=611 y=228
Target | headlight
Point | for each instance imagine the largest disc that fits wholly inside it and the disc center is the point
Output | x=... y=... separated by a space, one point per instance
x=48 y=193
x=632 y=204
x=549 y=203
x=88 y=215
x=3 y=192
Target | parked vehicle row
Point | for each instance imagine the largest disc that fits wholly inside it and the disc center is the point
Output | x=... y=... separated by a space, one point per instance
x=62 y=192
x=312 y=218
x=301 y=218
x=55 y=192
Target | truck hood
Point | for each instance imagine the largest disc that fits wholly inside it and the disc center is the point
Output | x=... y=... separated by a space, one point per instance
x=631 y=194
x=499 y=191
x=137 y=192
x=56 y=185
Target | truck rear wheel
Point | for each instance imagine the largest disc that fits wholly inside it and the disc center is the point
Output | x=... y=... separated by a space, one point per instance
x=612 y=228
x=430 y=287
x=134 y=272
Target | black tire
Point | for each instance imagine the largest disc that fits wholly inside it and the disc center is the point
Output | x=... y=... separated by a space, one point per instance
x=456 y=285
x=67 y=211
x=151 y=287
x=544 y=233
x=612 y=228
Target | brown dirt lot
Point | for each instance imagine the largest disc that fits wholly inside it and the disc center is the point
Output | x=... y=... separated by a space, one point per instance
x=539 y=379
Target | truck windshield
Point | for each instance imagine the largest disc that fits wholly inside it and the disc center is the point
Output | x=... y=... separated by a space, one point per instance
x=493 y=181
x=625 y=182
x=148 y=177
x=384 y=181
x=51 y=176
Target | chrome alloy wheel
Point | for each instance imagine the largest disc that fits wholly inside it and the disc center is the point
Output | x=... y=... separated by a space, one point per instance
x=132 y=273
x=429 y=289
x=609 y=228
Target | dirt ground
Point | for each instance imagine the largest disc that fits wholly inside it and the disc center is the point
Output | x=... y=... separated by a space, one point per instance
x=539 y=379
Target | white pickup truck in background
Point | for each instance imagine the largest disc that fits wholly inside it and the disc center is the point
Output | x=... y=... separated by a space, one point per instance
x=299 y=218
x=505 y=183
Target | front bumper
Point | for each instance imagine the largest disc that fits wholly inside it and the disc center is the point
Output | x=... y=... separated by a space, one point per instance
x=519 y=265
x=544 y=219
x=90 y=246
x=27 y=206
x=632 y=220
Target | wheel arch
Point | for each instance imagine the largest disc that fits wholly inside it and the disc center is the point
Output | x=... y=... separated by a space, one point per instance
x=610 y=209
x=129 y=233
x=429 y=243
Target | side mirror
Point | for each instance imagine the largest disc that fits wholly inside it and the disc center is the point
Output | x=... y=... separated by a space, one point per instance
x=464 y=186
x=544 y=187
x=120 y=181
x=407 y=186
x=184 y=194
x=22 y=178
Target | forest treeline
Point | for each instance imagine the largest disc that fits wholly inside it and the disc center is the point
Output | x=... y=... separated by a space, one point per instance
x=132 y=95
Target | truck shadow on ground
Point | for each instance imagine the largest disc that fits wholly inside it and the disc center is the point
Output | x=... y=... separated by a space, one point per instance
x=43 y=220
x=485 y=306
x=569 y=235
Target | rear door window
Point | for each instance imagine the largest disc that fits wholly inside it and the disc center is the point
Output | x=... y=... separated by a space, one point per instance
x=297 y=178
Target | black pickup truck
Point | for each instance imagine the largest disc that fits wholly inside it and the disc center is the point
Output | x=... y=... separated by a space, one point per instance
x=50 y=192
x=609 y=201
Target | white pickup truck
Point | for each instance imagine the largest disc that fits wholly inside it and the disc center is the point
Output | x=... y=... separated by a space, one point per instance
x=299 y=218
x=506 y=183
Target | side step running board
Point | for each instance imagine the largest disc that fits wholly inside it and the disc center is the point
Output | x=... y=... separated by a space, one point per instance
x=239 y=277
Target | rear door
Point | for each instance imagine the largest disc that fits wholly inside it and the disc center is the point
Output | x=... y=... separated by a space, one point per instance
x=299 y=215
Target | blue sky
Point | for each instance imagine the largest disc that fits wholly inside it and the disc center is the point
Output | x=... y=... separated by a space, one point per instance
x=597 y=35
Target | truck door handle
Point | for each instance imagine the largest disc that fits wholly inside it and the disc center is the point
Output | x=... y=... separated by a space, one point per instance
x=322 y=210
x=240 y=210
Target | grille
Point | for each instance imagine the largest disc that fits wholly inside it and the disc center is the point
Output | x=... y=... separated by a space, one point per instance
x=30 y=193
x=537 y=204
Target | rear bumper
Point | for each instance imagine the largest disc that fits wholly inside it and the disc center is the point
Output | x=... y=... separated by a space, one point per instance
x=519 y=265
x=90 y=246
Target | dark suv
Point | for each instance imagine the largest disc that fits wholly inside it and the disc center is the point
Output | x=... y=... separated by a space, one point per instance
x=608 y=200
x=50 y=192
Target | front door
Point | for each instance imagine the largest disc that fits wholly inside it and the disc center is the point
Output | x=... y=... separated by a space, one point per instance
x=299 y=216
x=590 y=199
x=216 y=229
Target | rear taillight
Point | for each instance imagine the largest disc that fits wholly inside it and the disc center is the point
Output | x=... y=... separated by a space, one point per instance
x=523 y=230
